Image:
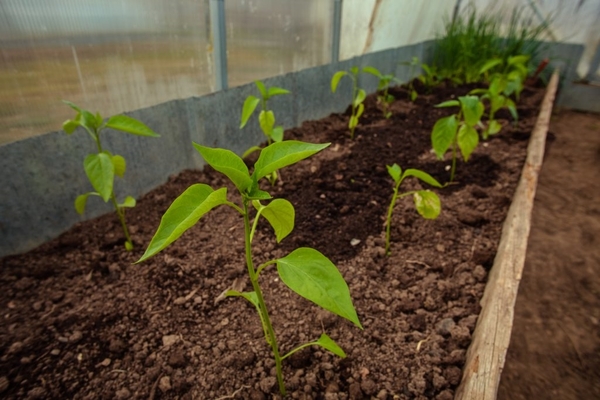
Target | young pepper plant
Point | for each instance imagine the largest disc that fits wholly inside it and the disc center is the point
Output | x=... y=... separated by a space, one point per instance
x=383 y=97
x=458 y=130
x=411 y=87
x=358 y=96
x=266 y=118
x=101 y=167
x=305 y=270
x=498 y=100
x=427 y=203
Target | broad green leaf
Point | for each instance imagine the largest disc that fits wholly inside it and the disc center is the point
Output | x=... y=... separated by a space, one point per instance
x=360 y=97
x=100 y=171
x=69 y=126
x=87 y=119
x=314 y=277
x=266 y=119
x=249 y=106
x=468 y=139
x=479 y=91
x=520 y=59
x=261 y=89
x=99 y=119
x=250 y=296
x=275 y=91
x=250 y=151
x=427 y=203
x=493 y=127
x=489 y=65
x=277 y=134
x=281 y=154
x=256 y=194
x=281 y=215
x=336 y=80
x=449 y=103
x=130 y=125
x=496 y=103
x=395 y=172
x=120 y=165
x=129 y=202
x=472 y=109
x=359 y=110
x=81 y=201
x=329 y=344
x=443 y=134
x=182 y=214
x=424 y=176
x=228 y=163
x=372 y=71
x=497 y=86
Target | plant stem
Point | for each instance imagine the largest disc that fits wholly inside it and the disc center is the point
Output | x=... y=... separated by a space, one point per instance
x=121 y=216
x=453 y=170
x=388 y=227
x=266 y=321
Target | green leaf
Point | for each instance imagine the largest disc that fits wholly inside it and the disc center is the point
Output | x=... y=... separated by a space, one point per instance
x=266 y=119
x=256 y=194
x=314 y=277
x=489 y=65
x=129 y=202
x=81 y=201
x=427 y=203
x=250 y=296
x=99 y=119
x=128 y=245
x=277 y=134
x=276 y=91
x=372 y=71
x=360 y=97
x=250 y=151
x=395 y=172
x=249 y=106
x=120 y=165
x=336 y=80
x=493 y=127
x=69 y=126
x=281 y=154
x=100 y=171
x=448 y=103
x=73 y=106
x=496 y=103
x=228 y=163
x=413 y=95
x=261 y=89
x=353 y=122
x=512 y=108
x=329 y=344
x=424 y=176
x=182 y=214
x=88 y=120
x=468 y=139
x=281 y=214
x=359 y=111
x=472 y=109
x=520 y=59
x=130 y=125
x=354 y=70
x=443 y=134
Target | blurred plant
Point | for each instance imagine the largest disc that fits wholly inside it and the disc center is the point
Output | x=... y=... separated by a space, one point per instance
x=102 y=167
x=411 y=87
x=427 y=203
x=305 y=271
x=383 y=97
x=458 y=130
x=358 y=96
x=429 y=78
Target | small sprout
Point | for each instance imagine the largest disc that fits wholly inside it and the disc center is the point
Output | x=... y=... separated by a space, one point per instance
x=358 y=96
x=383 y=97
x=458 y=130
x=102 y=167
x=305 y=270
x=427 y=202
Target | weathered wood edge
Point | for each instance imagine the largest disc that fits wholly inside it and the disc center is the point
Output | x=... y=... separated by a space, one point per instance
x=487 y=352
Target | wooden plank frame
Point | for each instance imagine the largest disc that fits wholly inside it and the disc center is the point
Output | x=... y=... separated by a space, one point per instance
x=487 y=352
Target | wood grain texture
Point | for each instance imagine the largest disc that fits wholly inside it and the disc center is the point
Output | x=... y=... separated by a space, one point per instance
x=487 y=353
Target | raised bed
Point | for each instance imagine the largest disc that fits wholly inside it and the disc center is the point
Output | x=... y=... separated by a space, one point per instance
x=82 y=322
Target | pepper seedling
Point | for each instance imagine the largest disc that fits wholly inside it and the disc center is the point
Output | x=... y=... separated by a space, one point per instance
x=458 y=130
x=305 y=270
x=427 y=203
x=358 y=96
x=495 y=95
x=411 y=87
x=102 y=166
x=510 y=73
x=383 y=97
x=266 y=118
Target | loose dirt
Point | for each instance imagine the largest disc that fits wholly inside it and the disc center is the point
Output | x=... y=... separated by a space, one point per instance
x=81 y=321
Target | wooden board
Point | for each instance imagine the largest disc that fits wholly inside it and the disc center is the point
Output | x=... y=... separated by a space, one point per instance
x=487 y=353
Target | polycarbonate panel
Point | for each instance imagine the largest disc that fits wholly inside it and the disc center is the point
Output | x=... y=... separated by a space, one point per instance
x=109 y=56
x=272 y=37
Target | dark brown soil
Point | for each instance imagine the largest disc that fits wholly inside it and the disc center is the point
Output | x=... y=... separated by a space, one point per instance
x=555 y=345
x=81 y=321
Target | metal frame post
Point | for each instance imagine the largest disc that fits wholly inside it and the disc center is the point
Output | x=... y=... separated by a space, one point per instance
x=337 y=27
x=219 y=36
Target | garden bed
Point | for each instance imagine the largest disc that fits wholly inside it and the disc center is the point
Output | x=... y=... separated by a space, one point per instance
x=81 y=321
